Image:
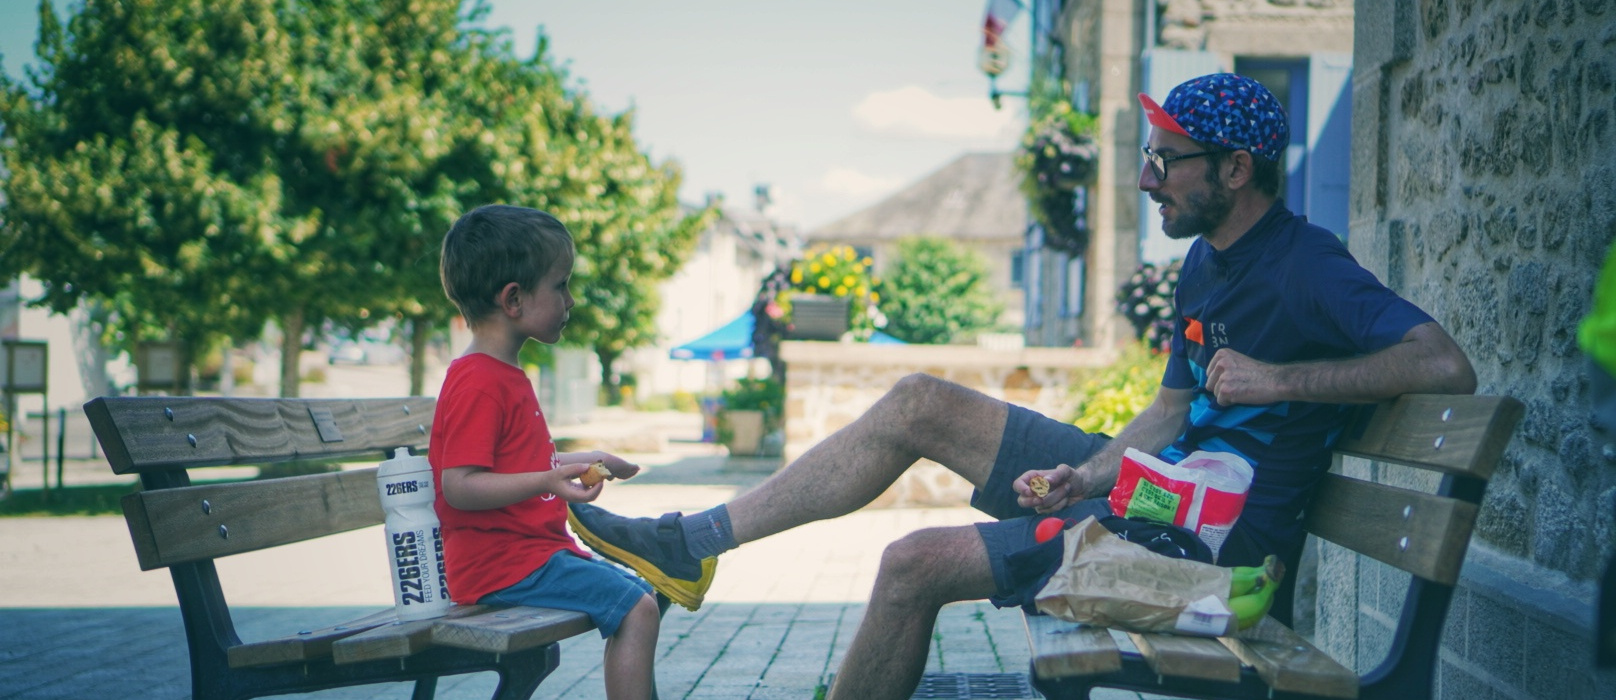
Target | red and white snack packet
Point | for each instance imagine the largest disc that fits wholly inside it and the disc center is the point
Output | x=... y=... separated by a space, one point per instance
x=1203 y=493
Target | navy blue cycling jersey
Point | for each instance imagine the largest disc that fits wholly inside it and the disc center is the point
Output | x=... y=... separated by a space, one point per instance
x=1287 y=291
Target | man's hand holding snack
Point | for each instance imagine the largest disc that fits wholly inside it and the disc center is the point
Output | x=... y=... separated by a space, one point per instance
x=614 y=467
x=1047 y=490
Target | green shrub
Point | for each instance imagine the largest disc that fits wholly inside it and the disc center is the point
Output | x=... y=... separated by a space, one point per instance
x=937 y=291
x=299 y=467
x=685 y=402
x=1112 y=396
x=766 y=395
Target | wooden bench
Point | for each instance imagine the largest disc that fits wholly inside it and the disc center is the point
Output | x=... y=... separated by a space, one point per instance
x=1460 y=437
x=184 y=528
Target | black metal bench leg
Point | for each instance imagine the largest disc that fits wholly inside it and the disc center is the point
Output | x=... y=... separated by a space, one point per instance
x=520 y=677
x=425 y=689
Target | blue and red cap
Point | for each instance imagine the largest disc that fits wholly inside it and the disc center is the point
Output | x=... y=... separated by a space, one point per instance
x=1224 y=110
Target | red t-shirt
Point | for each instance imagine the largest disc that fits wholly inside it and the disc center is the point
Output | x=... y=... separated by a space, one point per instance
x=488 y=416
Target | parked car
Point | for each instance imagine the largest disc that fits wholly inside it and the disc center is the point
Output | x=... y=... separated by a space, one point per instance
x=346 y=353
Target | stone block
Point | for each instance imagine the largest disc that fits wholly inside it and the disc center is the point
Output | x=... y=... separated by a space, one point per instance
x=1495 y=637
x=1453 y=681
x=1335 y=630
x=1374 y=642
x=1560 y=663
x=1454 y=637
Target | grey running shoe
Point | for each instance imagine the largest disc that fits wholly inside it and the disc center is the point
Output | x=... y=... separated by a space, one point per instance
x=653 y=548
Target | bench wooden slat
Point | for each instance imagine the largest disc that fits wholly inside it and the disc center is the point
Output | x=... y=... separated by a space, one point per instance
x=1289 y=663
x=1190 y=657
x=506 y=630
x=396 y=640
x=174 y=526
x=1420 y=533
x=157 y=433
x=298 y=648
x=1453 y=434
x=1061 y=648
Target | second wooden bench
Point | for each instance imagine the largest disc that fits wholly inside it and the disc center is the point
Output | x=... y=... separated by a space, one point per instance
x=1426 y=534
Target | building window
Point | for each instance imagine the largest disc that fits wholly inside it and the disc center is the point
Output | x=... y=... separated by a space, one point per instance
x=1035 y=291
x=1072 y=303
x=1018 y=267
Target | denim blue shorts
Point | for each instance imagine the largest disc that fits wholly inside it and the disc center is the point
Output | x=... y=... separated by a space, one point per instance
x=569 y=582
x=1030 y=441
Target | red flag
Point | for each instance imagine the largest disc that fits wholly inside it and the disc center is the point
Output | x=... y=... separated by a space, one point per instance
x=995 y=52
x=1000 y=14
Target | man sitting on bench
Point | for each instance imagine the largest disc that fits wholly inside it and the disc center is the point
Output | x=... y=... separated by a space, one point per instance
x=1278 y=329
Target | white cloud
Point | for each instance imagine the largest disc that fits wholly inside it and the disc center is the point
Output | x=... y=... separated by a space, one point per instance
x=852 y=182
x=915 y=111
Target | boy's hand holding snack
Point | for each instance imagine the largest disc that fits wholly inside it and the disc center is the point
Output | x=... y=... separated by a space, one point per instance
x=568 y=484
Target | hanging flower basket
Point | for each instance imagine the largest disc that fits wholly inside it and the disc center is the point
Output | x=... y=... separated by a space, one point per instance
x=1059 y=158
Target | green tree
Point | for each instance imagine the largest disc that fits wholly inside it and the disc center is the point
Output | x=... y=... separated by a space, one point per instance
x=205 y=167
x=140 y=166
x=937 y=291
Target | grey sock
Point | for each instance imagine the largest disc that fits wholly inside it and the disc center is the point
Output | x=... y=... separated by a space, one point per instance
x=708 y=533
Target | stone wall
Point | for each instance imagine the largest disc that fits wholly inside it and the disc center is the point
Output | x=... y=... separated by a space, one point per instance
x=831 y=384
x=1257 y=27
x=1484 y=189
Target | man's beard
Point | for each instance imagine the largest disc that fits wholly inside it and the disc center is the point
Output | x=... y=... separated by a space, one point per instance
x=1199 y=213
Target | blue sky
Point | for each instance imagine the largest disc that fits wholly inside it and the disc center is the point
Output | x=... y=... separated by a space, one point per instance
x=834 y=103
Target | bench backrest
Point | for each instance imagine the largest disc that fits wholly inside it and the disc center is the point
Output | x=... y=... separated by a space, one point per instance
x=172 y=522
x=1462 y=437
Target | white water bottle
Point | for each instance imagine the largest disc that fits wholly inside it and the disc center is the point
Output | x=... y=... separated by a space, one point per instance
x=414 y=541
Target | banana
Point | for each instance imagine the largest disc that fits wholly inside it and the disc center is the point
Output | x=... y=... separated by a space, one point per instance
x=1251 y=590
x=1244 y=579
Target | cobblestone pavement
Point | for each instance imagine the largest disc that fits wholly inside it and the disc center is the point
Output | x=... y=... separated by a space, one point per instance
x=79 y=620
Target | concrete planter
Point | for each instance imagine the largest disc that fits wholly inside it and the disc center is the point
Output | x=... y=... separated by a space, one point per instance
x=746 y=431
x=818 y=317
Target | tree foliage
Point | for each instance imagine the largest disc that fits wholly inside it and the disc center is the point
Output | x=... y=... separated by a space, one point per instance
x=937 y=291
x=140 y=165
x=206 y=166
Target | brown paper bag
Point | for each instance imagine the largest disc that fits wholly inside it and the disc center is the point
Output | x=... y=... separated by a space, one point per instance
x=1107 y=581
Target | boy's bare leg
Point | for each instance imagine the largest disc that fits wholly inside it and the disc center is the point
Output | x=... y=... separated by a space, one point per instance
x=921 y=416
x=631 y=653
x=919 y=575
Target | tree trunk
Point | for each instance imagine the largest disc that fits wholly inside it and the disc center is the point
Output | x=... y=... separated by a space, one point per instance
x=608 y=379
x=420 y=333
x=185 y=385
x=291 y=352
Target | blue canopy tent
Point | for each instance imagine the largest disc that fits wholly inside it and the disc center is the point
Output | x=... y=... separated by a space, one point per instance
x=731 y=341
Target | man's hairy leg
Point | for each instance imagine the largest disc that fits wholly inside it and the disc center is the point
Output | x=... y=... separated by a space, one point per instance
x=921 y=416
x=919 y=575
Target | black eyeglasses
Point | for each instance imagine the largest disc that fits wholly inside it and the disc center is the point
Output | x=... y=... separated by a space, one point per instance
x=1158 y=162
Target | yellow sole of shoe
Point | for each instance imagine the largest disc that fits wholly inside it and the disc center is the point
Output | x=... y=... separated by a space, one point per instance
x=688 y=594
